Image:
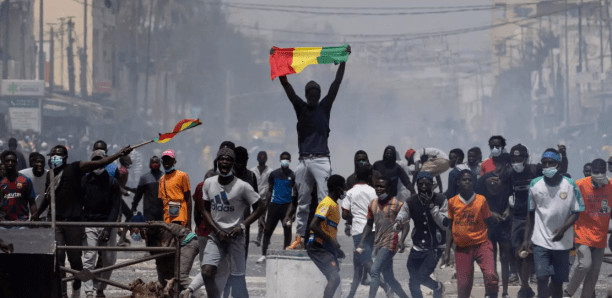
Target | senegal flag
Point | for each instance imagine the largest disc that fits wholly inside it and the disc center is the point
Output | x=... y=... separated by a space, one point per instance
x=284 y=61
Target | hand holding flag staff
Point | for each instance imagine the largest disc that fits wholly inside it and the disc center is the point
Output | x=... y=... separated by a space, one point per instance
x=179 y=127
x=284 y=61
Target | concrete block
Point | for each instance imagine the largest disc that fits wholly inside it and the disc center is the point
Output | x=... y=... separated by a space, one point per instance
x=291 y=273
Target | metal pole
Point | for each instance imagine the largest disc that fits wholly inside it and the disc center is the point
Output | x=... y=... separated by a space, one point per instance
x=148 y=61
x=567 y=96
x=7 y=24
x=41 y=53
x=83 y=56
x=52 y=194
x=51 y=58
x=62 y=30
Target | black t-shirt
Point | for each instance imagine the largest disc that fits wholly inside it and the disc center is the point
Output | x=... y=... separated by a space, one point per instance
x=313 y=126
x=394 y=173
x=497 y=203
x=519 y=183
x=68 y=194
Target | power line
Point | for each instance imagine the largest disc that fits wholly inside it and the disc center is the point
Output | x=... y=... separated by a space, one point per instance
x=345 y=13
x=365 y=8
x=439 y=33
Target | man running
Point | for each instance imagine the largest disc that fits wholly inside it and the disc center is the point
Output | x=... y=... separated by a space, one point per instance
x=225 y=199
x=37 y=173
x=314 y=165
x=323 y=247
x=591 y=230
x=17 y=196
x=382 y=212
x=428 y=211
x=148 y=188
x=554 y=205
x=455 y=157
x=470 y=218
x=498 y=146
x=474 y=161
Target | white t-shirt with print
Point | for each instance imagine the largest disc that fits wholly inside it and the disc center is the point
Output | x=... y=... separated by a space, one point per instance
x=553 y=205
x=228 y=202
x=356 y=201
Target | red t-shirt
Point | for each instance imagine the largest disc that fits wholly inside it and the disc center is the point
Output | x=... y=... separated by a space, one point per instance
x=201 y=230
x=487 y=166
x=591 y=228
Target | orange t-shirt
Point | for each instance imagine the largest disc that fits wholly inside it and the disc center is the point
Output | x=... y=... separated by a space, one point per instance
x=591 y=228
x=468 y=220
x=172 y=187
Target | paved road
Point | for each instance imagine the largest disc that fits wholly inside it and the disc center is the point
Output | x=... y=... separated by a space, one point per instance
x=256 y=280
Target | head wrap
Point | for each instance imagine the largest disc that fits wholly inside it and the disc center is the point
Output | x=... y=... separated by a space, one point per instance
x=552 y=155
x=226 y=151
x=425 y=175
x=409 y=153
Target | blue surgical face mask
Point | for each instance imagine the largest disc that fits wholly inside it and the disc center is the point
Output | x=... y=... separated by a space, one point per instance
x=496 y=151
x=285 y=163
x=168 y=171
x=384 y=197
x=56 y=161
x=549 y=172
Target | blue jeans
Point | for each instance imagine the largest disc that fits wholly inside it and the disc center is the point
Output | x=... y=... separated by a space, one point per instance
x=383 y=264
x=421 y=264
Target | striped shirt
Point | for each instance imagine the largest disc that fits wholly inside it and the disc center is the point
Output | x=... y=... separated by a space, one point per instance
x=384 y=216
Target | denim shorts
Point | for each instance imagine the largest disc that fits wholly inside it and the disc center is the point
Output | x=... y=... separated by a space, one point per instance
x=553 y=263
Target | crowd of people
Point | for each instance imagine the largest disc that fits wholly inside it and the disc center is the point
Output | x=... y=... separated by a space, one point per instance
x=528 y=215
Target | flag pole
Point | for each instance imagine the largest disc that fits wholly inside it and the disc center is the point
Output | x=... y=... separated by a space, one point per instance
x=142 y=144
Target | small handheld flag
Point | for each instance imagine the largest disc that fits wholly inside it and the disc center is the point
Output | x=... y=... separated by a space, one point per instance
x=284 y=61
x=179 y=127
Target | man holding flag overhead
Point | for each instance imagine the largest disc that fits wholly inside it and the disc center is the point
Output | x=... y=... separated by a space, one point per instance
x=313 y=124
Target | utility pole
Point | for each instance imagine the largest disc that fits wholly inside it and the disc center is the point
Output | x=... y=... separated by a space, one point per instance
x=83 y=56
x=51 y=58
x=41 y=53
x=62 y=31
x=567 y=97
x=148 y=61
x=70 y=57
x=24 y=20
x=7 y=25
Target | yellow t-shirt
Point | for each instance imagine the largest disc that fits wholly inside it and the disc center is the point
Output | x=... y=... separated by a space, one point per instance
x=329 y=212
x=172 y=188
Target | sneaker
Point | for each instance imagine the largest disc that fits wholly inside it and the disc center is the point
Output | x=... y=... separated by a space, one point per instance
x=89 y=295
x=513 y=278
x=505 y=295
x=297 y=244
x=566 y=294
x=525 y=293
x=261 y=260
x=100 y=294
x=439 y=292
x=366 y=280
x=256 y=242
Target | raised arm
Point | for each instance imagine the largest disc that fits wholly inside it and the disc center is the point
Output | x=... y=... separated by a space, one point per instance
x=335 y=85
x=293 y=97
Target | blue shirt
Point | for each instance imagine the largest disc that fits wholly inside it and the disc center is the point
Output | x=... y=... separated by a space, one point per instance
x=282 y=186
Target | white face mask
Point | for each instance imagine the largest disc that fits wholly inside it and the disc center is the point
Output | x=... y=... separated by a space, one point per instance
x=496 y=151
x=600 y=179
x=518 y=167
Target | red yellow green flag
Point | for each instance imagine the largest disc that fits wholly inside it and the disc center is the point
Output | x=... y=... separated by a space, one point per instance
x=181 y=126
x=284 y=61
